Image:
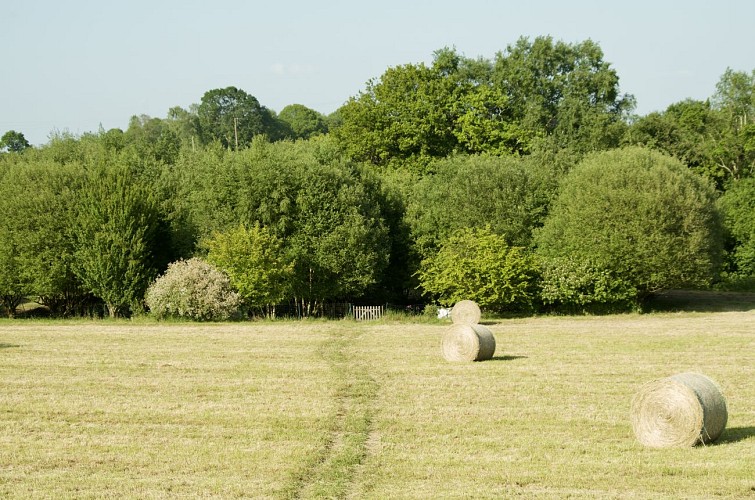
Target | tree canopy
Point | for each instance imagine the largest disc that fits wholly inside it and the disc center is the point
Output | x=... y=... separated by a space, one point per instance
x=233 y=117
x=637 y=216
x=529 y=159
x=539 y=88
x=14 y=142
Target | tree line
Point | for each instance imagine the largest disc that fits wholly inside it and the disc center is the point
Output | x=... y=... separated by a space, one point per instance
x=522 y=181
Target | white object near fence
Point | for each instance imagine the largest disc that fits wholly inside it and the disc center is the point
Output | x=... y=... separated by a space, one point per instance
x=364 y=313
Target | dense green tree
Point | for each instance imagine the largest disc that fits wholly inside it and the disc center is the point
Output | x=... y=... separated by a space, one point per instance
x=64 y=148
x=206 y=189
x=254 y=260
x=303 y=122
x=638 y=215
x=484 y=123
x=687 y=130
x=113 y=139
x=416 y=113
x=152 y=137
x=479 y=265
x=13 y=141
x=116 y=236
x=509 y=195
x=233 y=117
x=38 y=204
x=14 y=285
x=715 y=138
x=735 y=93
x=185 y=124
x=392 y=188
x=303 y=193
x=738 y=207
x=339 y=243
x=405 y=116
x=734 y=150
x=564 y=90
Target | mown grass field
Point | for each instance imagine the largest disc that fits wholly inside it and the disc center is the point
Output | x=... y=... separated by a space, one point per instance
x=341 y=409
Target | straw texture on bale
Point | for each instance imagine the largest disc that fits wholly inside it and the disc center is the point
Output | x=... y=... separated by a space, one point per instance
x=466 y=312
x=679 y=411
x=468 y=343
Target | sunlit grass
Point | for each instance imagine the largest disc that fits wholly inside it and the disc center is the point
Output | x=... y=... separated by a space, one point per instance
x=363 y=410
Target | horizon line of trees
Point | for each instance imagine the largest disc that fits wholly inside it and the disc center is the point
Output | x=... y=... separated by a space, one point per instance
x=434 y=183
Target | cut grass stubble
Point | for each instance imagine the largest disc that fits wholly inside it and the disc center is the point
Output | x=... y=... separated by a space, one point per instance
x=343 y=409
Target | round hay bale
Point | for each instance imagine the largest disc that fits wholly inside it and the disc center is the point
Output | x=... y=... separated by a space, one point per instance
x=678 y=411
x=468 y=343
x=466 y=312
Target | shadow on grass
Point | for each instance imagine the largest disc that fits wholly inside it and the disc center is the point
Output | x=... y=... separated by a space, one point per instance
x=507 y=358
x=735 y=434
x=700 y=301
x=8 y=346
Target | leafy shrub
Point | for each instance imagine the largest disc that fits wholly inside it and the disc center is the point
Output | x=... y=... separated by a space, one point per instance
x=254 y=260
x=193 y=289
x=629 y=222
x=577 y=286
x=431 y=310
x=478 y=265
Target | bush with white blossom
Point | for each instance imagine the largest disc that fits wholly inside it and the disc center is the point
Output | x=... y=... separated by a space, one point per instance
x=193 y=289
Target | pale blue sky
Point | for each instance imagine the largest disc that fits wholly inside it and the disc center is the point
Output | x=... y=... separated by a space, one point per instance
x=73 y=65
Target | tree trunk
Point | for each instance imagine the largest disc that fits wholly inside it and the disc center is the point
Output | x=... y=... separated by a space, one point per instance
x=11 y=302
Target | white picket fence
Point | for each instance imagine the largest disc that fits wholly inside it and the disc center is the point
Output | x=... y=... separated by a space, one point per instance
x=366 y=313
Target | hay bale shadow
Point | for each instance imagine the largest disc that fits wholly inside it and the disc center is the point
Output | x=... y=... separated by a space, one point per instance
x=8 y=346
x=735 y=434
x=507 y=358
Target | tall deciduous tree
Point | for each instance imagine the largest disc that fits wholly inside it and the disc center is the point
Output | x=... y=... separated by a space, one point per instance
x=563 y=90
x=688 y=130
x=116 y=237
x=405 y=116
x=416 y=113
x=735 y=93
x=339 y=243
x=14 y=284
x=38 y=205
x=185 y=124
x=233 y=117
x=715 y=138
x=152 y=137
x=734 y=151
x=13 y=141
x=302 y=121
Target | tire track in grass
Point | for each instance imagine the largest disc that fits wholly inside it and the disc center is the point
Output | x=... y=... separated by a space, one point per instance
x=332 y=472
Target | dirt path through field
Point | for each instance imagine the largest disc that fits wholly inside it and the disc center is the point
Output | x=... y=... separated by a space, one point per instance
x=333 y=474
